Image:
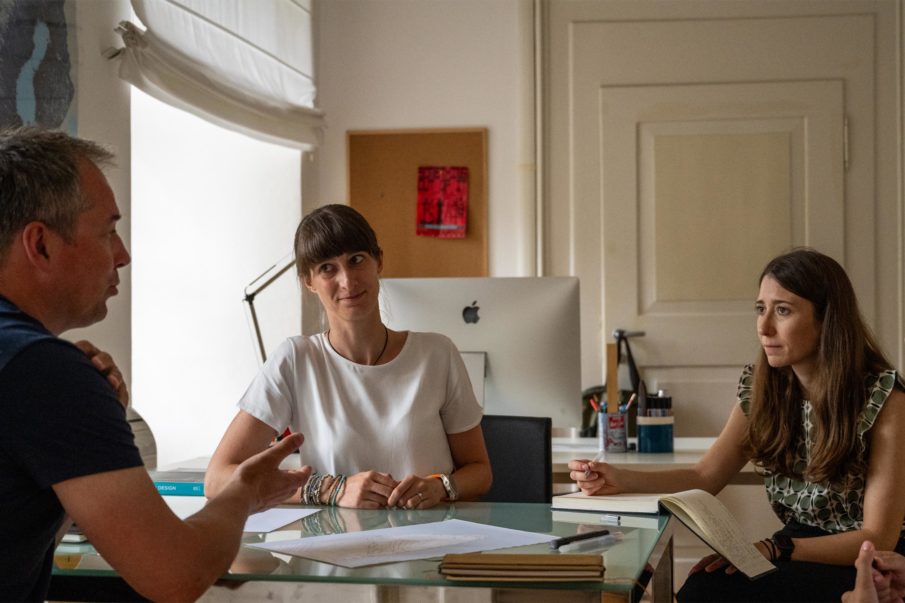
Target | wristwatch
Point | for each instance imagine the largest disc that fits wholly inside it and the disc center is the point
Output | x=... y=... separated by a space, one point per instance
x=448 y=484
x=785 y=545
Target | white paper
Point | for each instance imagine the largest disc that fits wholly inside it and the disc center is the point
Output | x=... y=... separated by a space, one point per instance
x=265 y=521
x=407 y=543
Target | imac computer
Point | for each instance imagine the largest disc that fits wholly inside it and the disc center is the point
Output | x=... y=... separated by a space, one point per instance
x=525 y=330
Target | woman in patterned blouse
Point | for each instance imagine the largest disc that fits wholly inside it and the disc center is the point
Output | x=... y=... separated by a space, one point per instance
x=822 y=414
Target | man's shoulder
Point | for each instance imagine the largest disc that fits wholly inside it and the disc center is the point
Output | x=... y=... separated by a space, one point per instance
x=56 y=352
x=49 y=364
x=18 y=331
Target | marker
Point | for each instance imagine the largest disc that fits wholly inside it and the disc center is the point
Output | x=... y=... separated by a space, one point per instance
x=611 y=518
x=597 y=457
x=598 y=542
x=555 y=544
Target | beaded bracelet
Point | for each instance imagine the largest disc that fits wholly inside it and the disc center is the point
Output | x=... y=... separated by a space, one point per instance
x=338 y=485
x=316 y=495
x=330 y=491
x=323 y=489
x=309 y=485
x=311 y=494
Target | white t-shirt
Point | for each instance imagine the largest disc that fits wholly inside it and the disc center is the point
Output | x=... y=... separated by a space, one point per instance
x=393 y=417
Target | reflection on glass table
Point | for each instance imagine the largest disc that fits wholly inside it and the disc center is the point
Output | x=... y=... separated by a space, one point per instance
x=629 y=563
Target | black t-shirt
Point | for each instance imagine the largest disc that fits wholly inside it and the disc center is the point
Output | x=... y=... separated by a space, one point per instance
x=59 y=419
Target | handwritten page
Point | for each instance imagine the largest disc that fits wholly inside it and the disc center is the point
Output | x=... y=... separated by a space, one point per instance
x=711 y=521
x=406 y=543
x=265 y=521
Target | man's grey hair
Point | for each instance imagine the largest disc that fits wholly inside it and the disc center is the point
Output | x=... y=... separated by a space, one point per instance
x=39 y=180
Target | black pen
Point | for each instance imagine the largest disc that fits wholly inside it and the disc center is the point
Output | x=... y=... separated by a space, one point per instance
x=555 y=544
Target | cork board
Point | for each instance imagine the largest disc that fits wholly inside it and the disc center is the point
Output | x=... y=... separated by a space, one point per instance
x=383 y=186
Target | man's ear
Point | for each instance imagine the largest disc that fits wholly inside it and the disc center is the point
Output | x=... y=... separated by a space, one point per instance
x=38 y=243
x=379 y=261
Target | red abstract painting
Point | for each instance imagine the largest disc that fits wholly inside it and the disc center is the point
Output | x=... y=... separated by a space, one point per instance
x=442 y=202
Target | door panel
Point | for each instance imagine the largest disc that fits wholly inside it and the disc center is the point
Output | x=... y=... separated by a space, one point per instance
x=701 y=186
x=688 y=142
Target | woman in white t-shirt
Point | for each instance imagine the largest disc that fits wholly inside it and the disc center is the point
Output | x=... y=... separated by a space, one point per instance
x=390 y=418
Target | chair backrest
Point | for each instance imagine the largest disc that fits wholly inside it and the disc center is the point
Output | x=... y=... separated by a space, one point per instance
x=521 y=457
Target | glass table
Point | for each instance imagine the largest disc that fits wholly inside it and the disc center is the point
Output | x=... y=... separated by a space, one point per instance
x=642 y=561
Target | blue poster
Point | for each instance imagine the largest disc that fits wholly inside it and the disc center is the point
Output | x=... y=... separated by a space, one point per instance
x=37 y=64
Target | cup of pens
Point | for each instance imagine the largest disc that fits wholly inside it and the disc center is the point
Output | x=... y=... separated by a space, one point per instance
x=611 y=429
x=655 y=424
x=615 y=438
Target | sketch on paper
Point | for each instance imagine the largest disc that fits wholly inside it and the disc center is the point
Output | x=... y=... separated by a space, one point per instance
x=407 y=543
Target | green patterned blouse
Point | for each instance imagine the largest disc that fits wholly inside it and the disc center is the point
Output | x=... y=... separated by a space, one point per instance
x=825 y=506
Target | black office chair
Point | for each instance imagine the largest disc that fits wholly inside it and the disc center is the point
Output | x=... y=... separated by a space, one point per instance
x=520 y=451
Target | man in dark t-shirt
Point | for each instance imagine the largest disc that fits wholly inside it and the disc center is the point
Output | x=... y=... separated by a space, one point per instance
x=57 y=424
x=66 y=450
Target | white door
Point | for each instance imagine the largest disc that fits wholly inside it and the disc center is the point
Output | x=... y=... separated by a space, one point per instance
x=689 y=142
x=701 y=186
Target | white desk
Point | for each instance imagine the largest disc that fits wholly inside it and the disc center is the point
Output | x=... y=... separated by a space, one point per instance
x=687 y=452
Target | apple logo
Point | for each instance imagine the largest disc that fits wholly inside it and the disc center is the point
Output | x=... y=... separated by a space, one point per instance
x=470 y=313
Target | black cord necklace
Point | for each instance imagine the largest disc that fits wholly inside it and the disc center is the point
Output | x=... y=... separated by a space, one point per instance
x=386 y=340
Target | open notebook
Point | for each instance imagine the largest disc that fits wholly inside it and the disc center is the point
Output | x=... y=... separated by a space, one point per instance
x=700 y=511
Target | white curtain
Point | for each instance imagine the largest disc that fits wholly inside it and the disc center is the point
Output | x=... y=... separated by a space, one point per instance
x=244 y=65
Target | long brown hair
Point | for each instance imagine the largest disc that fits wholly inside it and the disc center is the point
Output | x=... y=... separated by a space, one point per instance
x=846 y=353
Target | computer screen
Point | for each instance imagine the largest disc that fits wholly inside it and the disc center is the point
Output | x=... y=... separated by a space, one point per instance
x=527 y=327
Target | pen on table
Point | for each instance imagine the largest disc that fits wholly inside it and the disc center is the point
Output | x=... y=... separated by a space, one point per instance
x=598 y=542
x=612 y=518
x=555 y=544
x=597 y=457
x=630 y=401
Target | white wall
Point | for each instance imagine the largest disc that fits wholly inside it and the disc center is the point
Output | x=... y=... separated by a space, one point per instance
x=211 y=210
x=393 y=64
x=103 y=116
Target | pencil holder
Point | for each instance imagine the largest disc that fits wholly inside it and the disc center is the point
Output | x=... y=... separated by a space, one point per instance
x=614 y=432
x=655 y=434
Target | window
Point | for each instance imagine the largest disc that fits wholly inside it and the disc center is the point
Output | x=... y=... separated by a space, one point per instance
x=211 y=210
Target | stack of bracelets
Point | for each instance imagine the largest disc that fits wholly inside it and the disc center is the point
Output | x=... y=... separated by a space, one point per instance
x=328 y=521
x=338 y=485
x=311 y=493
